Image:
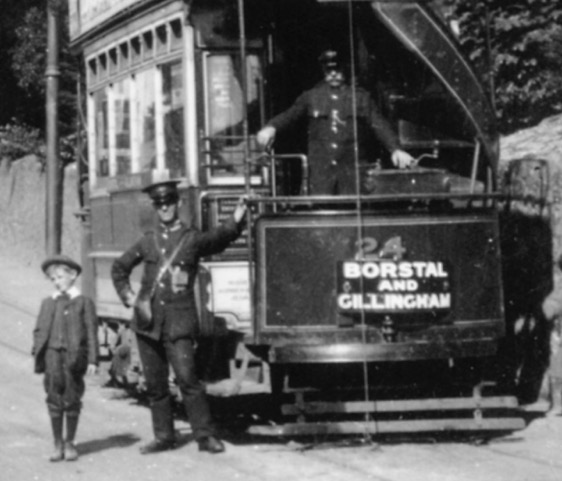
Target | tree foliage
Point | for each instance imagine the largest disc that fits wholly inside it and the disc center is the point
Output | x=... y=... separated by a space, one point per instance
x=524 y=61
x=29 y=60
x=524 y=58
x=15 y=101
x=25 y=60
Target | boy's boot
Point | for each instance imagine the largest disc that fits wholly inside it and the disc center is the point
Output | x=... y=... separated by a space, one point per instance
x=56 y=425
x=555 y=397
x=70 y=453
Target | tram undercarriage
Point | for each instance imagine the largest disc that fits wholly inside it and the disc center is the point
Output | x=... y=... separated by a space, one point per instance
x=440 y=397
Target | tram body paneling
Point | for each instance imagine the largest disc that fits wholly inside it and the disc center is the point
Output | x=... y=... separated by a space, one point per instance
x=422 y=293
x=408 y=271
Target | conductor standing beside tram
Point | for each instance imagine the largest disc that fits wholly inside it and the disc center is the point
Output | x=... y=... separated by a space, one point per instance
x=331 y=112
x=165 y=321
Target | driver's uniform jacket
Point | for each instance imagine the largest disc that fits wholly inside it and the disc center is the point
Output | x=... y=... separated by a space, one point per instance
x=173 y=303
x=331 y=133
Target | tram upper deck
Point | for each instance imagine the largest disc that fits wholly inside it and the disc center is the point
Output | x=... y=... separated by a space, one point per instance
x=175 y=89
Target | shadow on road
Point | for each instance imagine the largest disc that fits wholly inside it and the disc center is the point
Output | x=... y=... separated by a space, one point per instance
x=116 y=441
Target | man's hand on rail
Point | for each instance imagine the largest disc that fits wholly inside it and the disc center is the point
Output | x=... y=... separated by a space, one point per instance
x=402 y=159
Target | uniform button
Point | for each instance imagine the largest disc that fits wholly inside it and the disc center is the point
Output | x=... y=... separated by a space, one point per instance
x=334 y=145
x=334 y=162
x=335 y=96
x=161 y=284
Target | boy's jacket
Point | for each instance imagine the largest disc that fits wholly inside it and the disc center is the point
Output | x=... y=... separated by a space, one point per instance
x=82 y=333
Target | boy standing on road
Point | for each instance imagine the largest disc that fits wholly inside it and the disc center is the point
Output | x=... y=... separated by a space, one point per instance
x=65 y=348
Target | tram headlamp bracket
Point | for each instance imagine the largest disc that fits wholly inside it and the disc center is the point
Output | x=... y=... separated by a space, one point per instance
x=388 y=329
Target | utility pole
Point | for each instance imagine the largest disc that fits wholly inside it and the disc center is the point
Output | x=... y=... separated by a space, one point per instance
x=54 y=169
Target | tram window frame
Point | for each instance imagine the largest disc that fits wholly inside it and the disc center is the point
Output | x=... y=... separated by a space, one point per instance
x=115 y=139
x=122 y=126
x=146 y=86
x=172 y=122
x=100 y=140
x=258 y=178
x=146 y=143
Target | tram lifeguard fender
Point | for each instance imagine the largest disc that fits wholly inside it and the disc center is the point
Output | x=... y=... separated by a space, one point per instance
x=413 y=181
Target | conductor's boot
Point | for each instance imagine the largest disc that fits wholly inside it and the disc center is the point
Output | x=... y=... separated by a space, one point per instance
x=163 y=427
x=56 y=426
x=70 y=452
x=211 y=445
x=158 y=445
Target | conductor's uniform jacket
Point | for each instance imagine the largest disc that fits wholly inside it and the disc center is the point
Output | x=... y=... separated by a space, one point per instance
x=173 y=302
x=331 y=134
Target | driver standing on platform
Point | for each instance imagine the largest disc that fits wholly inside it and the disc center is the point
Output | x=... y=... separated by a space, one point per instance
x=166 y=335
x=331 y=131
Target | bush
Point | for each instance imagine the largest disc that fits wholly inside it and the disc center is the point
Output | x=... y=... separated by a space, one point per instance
x=18 y=140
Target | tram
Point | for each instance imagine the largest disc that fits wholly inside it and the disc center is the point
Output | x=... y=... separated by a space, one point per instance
x=376 y=312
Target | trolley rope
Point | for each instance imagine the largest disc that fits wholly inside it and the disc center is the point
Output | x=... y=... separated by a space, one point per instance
x=358 y=204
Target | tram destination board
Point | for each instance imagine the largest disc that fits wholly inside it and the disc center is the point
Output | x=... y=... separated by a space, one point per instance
x=385 y=286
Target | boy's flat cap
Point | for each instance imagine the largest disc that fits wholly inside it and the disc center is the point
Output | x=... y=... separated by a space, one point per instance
x=60 y=259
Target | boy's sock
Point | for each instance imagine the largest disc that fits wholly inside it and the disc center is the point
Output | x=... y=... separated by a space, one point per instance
x=56 y=425
x=70 y=452
x=555 y=387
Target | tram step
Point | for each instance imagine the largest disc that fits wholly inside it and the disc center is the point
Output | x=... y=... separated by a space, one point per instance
x=388 y=427
x=247 y=376
x=494 y=413
x=406 y=405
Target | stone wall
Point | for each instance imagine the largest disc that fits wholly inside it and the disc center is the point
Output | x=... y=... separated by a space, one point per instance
x=543 y=141
x=533 y=280
x=23 y=212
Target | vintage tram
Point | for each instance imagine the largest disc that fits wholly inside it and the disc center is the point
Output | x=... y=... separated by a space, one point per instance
x=376 y=312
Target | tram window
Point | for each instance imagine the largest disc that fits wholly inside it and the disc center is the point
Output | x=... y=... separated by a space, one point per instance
x=101 y=133
x=92 y=71
x=113 y=61
x=122 y=112
x=146 y=119
x=172 y=102
x=102 y=66
x=124 y=54
x=224 y=139
x=136 y=50
x=148 y=45
x=161 y=39
x=176 y=34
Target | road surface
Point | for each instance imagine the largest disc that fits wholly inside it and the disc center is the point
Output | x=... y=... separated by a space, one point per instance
x=113 y=426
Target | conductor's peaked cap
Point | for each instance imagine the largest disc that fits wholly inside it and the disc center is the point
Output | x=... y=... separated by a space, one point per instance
x=330 y=59
x=163 y=191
